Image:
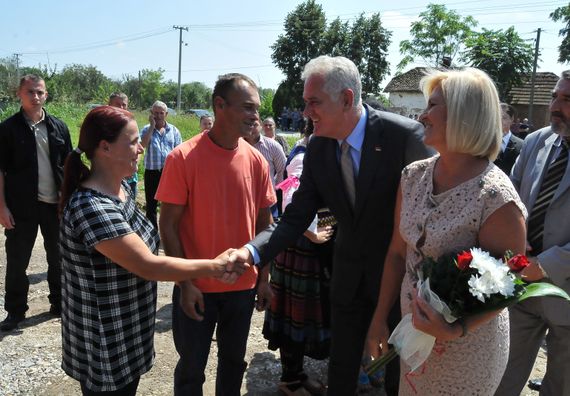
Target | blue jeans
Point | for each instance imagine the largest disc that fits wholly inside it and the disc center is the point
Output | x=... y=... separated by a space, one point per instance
x=232 y=312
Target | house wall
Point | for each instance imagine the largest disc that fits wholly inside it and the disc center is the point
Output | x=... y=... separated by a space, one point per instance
x=540 y=114
x=406 y=103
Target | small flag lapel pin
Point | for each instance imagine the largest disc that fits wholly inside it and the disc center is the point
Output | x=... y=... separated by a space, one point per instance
x=377 y=148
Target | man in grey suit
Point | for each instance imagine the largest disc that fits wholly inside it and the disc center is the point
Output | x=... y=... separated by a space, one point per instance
x=542 y=177
x=352 y=166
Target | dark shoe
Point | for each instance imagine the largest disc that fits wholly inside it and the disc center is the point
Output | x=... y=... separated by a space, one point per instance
x=11 y=321
x=55 y=310
x=535 y=384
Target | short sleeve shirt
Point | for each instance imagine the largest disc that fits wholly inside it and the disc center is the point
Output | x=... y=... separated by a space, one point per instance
x=108 y=313
x=222 y=192
x=160 y=146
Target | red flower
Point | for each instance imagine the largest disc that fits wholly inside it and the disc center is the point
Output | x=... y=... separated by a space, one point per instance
x=463 y=260
x=518 y=263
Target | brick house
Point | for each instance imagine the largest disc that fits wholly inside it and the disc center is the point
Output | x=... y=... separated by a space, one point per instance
x=406 y=98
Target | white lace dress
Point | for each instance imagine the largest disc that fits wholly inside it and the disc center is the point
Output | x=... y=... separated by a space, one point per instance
x=433 y=225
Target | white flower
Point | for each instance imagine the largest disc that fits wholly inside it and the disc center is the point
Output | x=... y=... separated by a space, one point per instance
x=493 y=276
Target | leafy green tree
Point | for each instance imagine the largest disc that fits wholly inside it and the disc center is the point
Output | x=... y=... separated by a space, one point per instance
x=304 y=28
x=289 y=94
x=196 y=95
x=439 y=33
x=151 y=86
x=131 y=86
x=307 y=36
x=563 y=14
x=266 y=110
x=504 y=55
x=77 y=83
x=368 y=50
x=169 y=93
x=8 y=79
x=336 y=39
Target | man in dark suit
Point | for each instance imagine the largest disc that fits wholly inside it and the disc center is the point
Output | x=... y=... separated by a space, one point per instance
x=511 y=145
x=352 y=166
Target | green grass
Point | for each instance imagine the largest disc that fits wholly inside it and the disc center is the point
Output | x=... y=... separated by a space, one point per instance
x=291 y=140
x=73 y=114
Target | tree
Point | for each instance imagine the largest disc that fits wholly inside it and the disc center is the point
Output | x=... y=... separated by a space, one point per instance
x=8 y=83
x=304 y=28
x=504 y=55
x=151 y=86
x=78 y=83
x=9 y=77
x=307 y=36
x=266 y=109
x=193 y=95
x=336 y=39
x=439 y=33
x=289 y=94
x=196 y=95
x=301 y=42
x=563 y=14
x=368 y=50
x=131 y=86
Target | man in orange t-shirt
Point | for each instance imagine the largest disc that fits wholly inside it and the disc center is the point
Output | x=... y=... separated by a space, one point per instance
x=216 y=192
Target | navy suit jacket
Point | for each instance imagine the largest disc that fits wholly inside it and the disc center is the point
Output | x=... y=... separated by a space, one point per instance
x=506 y=159
x=391 y=142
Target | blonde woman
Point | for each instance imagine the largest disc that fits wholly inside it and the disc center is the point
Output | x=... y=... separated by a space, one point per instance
x=453 y=201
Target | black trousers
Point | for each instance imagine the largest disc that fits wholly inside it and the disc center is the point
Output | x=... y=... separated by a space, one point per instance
x=19 y=244
x=151 y=180
x=349 y=326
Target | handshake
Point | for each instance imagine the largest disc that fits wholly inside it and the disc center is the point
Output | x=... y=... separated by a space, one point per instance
x=232 y=263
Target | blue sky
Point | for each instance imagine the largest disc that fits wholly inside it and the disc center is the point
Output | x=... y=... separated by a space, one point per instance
x=123 y=37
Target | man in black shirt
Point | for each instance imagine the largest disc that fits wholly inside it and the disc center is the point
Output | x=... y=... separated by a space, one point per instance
x=33 y=148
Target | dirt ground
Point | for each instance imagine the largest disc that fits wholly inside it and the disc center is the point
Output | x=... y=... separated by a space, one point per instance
x=31 y=356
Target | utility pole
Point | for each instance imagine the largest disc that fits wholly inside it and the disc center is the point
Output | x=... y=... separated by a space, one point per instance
x=17 y=56
x=178 y=97
x=531 y=101
x=139 y=90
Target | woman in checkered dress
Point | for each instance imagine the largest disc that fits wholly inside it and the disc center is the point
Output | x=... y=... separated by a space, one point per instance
x=109 y=261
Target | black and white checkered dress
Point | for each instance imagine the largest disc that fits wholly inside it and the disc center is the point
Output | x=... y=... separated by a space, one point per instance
x=108 y=312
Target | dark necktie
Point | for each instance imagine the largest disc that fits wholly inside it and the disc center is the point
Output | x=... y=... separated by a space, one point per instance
x=347 y=170
x=547 y=190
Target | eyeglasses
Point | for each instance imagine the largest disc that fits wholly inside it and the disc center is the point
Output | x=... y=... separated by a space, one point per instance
x=267 y=125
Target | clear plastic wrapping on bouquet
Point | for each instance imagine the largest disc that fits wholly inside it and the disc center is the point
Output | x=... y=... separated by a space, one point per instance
x=414 y=346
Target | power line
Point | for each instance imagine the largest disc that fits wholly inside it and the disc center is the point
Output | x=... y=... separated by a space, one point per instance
x=225 y=68
x=100 y=44
x=404 y=13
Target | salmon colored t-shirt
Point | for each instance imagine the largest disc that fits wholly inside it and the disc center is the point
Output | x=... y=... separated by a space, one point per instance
x=222 y=191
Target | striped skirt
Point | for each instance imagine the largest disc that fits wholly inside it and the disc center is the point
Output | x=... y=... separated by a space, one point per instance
x=299 y=314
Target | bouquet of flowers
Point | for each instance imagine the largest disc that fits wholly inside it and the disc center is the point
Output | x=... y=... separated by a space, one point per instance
x=457 y=286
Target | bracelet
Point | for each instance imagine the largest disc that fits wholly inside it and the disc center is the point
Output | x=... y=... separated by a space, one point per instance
x=463 y=325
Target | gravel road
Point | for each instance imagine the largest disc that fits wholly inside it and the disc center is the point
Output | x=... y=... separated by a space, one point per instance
x=30 y=357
